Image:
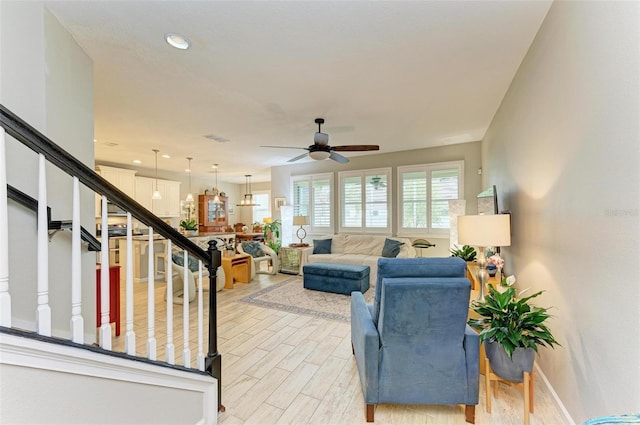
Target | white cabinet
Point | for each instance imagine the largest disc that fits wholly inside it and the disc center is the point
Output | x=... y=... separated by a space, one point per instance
x=144 y=191
x=168 y=206
x=125 y=180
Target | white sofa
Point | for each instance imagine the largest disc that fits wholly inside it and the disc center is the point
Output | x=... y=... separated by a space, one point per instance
x=357 y=249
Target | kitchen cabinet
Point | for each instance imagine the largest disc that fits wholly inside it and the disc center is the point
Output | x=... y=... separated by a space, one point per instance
x=212 y=217
x=168 y=206
x=123 y=179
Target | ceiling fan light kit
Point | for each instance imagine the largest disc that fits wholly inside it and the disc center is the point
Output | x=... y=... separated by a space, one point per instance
x=319 y=155
x=321 y=150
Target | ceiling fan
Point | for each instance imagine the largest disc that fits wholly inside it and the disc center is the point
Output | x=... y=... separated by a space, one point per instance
x=377 y=182
x=321 y=149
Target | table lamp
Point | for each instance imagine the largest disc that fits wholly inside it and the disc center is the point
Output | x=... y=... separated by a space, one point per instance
x=300 y=220
x=483 y=231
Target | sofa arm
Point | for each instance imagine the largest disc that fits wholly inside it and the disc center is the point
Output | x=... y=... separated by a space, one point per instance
x=304 y=256
x=366 y=347
x=471 y=346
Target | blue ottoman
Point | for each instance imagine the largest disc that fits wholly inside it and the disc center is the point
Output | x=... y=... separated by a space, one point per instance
x=336 y=278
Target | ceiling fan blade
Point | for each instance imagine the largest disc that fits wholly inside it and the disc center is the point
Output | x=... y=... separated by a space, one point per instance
x=355 y=148
x=282 y=147
x=298 y=157
x=337 y=157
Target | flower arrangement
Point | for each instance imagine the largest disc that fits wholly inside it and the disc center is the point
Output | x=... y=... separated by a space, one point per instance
x=497 y=261
x=189 y=222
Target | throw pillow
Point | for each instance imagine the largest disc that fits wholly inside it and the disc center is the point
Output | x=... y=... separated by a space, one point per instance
x=322 y=246
x=178 y=258
x=391 y=248
x=252 y=248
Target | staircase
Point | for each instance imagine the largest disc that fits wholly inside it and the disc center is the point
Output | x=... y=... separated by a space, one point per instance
x=54 y=375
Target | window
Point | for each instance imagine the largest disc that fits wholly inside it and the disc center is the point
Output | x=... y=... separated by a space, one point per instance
x=364 y=201
x=312 y=198
x=263 y=209
x=425 y=191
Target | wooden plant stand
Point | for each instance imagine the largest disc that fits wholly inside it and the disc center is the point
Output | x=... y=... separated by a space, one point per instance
x=526 y=386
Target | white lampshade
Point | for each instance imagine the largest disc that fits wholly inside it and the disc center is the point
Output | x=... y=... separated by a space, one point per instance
x=319 y=155
x=156 y=195
x=300 y=220
x=189 y=197
x=484 y=230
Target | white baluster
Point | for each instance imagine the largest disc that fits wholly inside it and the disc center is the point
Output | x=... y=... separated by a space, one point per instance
x=105 y=284
x=43 y=311
x=186 y=352
x=200 y=358
x=170 y=350
x=5 y=296
x=77 y=322
x=130 y=336
x=151 y=299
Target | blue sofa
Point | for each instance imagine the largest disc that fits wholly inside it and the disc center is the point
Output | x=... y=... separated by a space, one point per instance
x=412 y=345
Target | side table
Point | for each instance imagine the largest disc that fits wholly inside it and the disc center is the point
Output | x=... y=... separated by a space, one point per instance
x=290 y=259
x=238 y=268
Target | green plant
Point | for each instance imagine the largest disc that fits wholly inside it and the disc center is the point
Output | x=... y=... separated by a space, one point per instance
x=271 y=233
x=512 y=321
x=189 y=224
x=467 y=253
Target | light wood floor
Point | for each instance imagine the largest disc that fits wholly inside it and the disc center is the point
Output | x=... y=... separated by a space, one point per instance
x=284 y=368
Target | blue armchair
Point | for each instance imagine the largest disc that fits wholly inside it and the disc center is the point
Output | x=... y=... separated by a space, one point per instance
x=413 y=346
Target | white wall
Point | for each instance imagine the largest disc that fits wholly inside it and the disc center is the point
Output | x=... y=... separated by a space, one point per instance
x=564 y=148
x=469 y=152
x=47 y=80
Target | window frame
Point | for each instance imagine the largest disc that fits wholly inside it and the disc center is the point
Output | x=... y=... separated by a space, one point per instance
x=429 y=231
x=268 y=205
x=363 y=174
x=313 y=229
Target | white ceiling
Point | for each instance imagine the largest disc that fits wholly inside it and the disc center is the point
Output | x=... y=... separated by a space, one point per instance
x=403 y=75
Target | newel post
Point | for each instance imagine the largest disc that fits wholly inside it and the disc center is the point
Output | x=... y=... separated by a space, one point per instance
x=213 y=363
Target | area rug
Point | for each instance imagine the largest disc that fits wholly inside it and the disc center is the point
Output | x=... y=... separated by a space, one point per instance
x=291 y=296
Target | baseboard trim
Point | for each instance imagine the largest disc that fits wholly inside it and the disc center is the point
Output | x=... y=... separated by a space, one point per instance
x=569 y=420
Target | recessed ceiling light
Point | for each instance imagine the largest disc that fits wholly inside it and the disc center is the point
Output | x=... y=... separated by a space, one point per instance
x=214 y=166
x=137 y=161
x=176 y=40
x=166 y=156
x=95 y=140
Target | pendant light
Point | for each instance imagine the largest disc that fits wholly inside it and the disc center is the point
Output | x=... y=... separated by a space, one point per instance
x=247 y=201
x=156 y=193
x=216 y=192
x=189 y=197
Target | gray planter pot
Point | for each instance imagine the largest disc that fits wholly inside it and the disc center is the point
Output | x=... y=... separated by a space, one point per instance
x=510 y=369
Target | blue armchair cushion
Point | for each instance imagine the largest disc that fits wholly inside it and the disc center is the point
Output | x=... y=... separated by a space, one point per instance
x=252 y=248
x=322 y=246
x=178 y=258
x=415 y=267
x=391 y=248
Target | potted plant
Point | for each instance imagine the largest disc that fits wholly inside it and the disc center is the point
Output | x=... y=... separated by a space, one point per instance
x=190 y=227
x=512 y=329
x=271 y=233
x=467 y=253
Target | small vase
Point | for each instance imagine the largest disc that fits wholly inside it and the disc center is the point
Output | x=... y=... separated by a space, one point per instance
x=492 y=270
x=510 y=369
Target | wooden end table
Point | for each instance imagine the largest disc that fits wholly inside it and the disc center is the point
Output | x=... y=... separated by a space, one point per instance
x=236 y=267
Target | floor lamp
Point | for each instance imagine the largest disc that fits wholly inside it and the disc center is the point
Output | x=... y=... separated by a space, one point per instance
x=483 y=231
